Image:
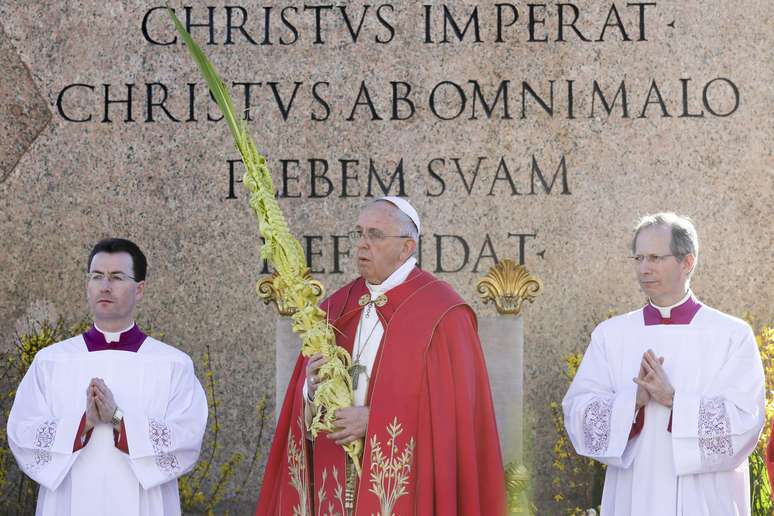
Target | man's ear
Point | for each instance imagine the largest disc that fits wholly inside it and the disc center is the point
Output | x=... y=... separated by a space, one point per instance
x=409 y=246
x=689 y=262
x=140 y=290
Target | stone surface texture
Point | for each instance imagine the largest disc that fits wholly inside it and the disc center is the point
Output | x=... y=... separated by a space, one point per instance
x=23 y=110
x=165 y=184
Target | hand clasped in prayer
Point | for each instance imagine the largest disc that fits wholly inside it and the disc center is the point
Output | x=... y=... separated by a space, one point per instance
x=100 y=405
x=654 y=380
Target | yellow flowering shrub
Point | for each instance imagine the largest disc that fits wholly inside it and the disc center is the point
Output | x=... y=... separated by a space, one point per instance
x=576 y=481
x=759 y=479
x=765 y=341
x=213 y=479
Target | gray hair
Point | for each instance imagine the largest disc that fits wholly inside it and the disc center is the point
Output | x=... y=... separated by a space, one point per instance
x=405 y=224
x=684 y=241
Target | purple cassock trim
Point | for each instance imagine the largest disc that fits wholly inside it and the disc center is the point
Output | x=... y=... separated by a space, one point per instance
x=130 y=340
x=682 y=314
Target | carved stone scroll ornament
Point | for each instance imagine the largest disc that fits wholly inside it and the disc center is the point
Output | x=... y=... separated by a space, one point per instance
x=509 y=285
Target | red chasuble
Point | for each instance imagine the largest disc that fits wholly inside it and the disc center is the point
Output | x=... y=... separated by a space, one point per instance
x=431 y=445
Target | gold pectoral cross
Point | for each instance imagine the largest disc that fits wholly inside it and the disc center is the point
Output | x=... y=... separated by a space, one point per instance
x=355 y=371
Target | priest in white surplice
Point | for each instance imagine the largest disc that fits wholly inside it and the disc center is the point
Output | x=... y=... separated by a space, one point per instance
x=671 y=396
x=107 y=421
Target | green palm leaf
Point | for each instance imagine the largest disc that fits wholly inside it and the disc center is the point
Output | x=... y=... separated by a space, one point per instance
x=218 y=89
x=295 y=289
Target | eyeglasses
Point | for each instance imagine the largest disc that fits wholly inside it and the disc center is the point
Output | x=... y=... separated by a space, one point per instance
x=112 y=277
x=370 y=236
x=651 y=258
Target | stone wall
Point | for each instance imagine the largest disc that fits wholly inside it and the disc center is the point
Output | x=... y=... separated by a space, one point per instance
x=537 y=132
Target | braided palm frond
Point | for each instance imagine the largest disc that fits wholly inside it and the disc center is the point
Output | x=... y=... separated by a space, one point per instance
x=285 y=254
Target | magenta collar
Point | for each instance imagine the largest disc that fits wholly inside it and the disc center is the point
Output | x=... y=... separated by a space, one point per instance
x=130 y=340
x=682 y=314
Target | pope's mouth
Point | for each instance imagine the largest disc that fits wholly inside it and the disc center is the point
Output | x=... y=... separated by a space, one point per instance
x=106 y=301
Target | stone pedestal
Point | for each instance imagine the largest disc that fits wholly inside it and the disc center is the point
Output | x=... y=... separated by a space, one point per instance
x=502 y=339
x=287 y=345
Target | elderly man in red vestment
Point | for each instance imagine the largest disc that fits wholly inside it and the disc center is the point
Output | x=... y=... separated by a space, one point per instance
x=422 y=401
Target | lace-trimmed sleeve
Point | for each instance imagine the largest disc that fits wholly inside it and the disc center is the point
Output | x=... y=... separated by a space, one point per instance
x=716 y=426
x=165 y=439
x=596 y=426
x=599 y=408
x=45 y=436
x=161 y=439
x=41 y=432
x=714 y=430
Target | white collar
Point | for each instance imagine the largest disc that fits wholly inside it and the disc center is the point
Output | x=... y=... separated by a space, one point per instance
x=666 y=311
x=396 y=278
x=113 y=336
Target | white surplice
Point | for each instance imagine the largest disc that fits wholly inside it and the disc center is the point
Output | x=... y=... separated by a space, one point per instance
x=698 y=469
x=165 y=416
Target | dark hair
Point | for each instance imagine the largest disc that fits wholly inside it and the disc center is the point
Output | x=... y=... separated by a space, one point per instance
x=120 y=245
